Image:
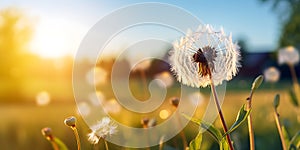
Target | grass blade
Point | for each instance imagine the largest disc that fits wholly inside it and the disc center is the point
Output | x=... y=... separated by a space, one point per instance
x=210 y=128
x=195 y=144
x=241 y=117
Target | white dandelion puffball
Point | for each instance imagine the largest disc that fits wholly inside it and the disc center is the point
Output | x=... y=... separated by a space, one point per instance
x=288 y=55
x=43 y=98
x=166 y=78
x=96 y=76
x=203 y=55
x=105 y=127
x=271 y=74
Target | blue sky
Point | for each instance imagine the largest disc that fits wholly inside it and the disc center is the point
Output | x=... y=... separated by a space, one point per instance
x=251 y=20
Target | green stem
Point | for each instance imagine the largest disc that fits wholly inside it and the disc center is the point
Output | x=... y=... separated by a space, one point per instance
x=250 y=126
x=54 y=145
x=294 y=78
x=280 y=130
x=214 y=93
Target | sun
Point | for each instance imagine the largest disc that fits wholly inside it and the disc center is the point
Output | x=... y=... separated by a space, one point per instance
x=55 y=38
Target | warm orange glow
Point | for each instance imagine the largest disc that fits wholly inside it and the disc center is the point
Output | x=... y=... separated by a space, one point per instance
x=55 y=38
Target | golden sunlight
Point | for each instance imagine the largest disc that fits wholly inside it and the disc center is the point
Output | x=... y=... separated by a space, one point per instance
x=55 y=38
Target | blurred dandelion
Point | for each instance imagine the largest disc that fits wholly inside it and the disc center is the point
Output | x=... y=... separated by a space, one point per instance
x=166 y=79
x=105 y=127
x=96 y=98
x=83 y=108
x=196 y=98
x=112 y=106
x=43 y=98
x=206 y=57
x=96 y=76
x=271 y=74
x=288 y=55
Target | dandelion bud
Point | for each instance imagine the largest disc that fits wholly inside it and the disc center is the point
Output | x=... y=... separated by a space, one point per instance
x=145 y=122
x=175 y=101
x=257 y=82
x=152 y=122
x=47 y=132
x=70 y=121
x=276 y=101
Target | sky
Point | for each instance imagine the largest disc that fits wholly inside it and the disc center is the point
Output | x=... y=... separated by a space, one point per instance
x=61 y=25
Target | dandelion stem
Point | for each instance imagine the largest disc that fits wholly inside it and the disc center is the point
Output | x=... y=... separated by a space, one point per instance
x=214 y=93
x=106 y=145
x=250 y=126
x=54 y=145
x=276 y=114
x=77 y=137
x=294 y=77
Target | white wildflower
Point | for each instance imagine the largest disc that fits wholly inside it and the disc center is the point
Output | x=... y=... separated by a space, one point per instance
x=203 y=55
x=288 y=55
x=272 y=74
x=102 y=129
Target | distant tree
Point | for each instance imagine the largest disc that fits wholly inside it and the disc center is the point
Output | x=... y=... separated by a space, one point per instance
x=289 y=13
x=15 y=34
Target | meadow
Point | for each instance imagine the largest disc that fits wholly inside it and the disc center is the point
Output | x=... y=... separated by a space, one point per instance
x=21 y=123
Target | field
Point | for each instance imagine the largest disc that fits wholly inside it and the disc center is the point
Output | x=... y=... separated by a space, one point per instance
x=21 y=123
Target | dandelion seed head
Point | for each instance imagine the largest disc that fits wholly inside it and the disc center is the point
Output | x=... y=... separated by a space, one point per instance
x=93 y=138
x=271 y=74
x=204 y=54
x=288 y=55
x=105 y=127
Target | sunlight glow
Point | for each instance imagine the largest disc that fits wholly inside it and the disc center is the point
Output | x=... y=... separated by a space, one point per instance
x=56 y=38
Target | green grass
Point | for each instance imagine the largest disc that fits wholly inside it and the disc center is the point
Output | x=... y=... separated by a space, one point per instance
x=21 y=123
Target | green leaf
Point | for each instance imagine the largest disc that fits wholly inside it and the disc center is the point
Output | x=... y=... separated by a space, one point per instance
x=195 y=144
x=210 y=128
x=61 y=145
x=257 y=82
x=293 y=97
x=285 y=136
x=295 y=141
x=224 y=144
x=276 y=101
x=241 y=117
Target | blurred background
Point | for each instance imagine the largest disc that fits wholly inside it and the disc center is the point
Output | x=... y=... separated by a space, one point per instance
x=38 y=41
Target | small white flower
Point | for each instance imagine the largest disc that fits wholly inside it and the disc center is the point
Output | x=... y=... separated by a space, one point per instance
x=102 y=129
x=288 y=55
x=203 y=55
x=272 y=74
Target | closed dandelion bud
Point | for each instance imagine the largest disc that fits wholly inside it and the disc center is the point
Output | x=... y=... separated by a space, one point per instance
x=70 y=121
x=152 y=122
x=145 y=122
x=276 y=101
x=174 y=101
x=47 y=132
x=257 y=82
